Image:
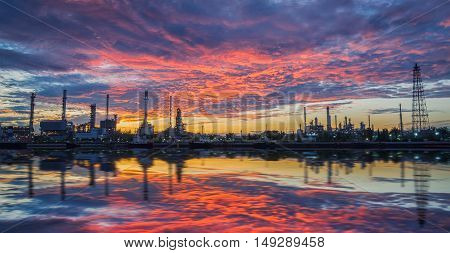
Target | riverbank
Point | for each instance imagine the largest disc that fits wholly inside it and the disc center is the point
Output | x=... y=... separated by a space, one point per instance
x=232 y=145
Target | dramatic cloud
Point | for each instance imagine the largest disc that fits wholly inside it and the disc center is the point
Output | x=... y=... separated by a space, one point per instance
x=216 y=51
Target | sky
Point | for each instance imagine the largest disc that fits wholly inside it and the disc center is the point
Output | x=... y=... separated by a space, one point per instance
x=229 y=65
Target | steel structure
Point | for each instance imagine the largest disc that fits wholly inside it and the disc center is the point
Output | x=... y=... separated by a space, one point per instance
x=420 y=119
x=329 y=129
x=304 y=117
x=92 y=116
x=170 y=112
x=401 y=119
x=145 y=123
x=31 y=123
x=107 y=107
x=64 y=105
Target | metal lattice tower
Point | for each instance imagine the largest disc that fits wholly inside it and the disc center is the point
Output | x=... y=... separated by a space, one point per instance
x=419 y=107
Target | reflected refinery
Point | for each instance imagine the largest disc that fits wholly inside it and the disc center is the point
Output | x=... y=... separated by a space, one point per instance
x=185 y=190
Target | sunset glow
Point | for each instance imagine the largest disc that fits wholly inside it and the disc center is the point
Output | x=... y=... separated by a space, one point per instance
x=354 y=56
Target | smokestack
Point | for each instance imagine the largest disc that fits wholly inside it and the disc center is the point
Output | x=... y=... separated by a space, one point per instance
x=64 y=102
x=170 y=111
x=304 y=117
x=316 y=121
x=107 y=107
x=335 y=122
x=92 y=116
x=328 y=119
x=345 y=122
x=31 y=128
x=401 y=120
x=145 y=108
x=370 y=126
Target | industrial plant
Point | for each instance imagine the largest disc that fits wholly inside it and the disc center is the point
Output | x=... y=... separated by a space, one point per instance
x=63 y=133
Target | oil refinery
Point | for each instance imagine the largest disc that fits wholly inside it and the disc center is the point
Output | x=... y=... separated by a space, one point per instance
x=63 y=133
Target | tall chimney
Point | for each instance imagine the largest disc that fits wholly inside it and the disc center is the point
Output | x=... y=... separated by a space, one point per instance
x=64 y=102
x=115 y=122
x=345 y=122
x=401 y=120
x=107 y=108
x=31 y=128
x=304 y=117
x=370 y=126
x=145 y=108
x=328 y=119
x=335 y=122
x=170 y=111
x=92 y=116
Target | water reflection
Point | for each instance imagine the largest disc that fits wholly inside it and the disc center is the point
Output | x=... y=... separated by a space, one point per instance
x=421 y=181
x=146 y=162
x=232 y=191
x=59 y=162
x=30 y=179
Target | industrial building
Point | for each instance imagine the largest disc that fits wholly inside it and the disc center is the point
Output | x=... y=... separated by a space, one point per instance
x=179 y=125
x=89 y=132
x=108 y=126
x=58 y=130
x=14 y=134
x=62 y=130
x=146 y=130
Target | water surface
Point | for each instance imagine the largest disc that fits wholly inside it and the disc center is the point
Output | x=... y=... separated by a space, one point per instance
x=224 y=191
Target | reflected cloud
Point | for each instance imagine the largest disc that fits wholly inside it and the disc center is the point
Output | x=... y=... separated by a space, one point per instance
x=225 y=191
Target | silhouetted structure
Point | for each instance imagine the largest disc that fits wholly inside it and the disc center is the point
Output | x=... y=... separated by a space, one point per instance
x=64 y=105
x=107 y=107
x=108 y=126
x=92 y=116
x=30 y=125
x=419 y=107
x=179 y=126
x=145 y=131
x=401 y=119
x=335 y=122
x=329 y=129
x=170 y=112
x=304 y=117
x=58 y=130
